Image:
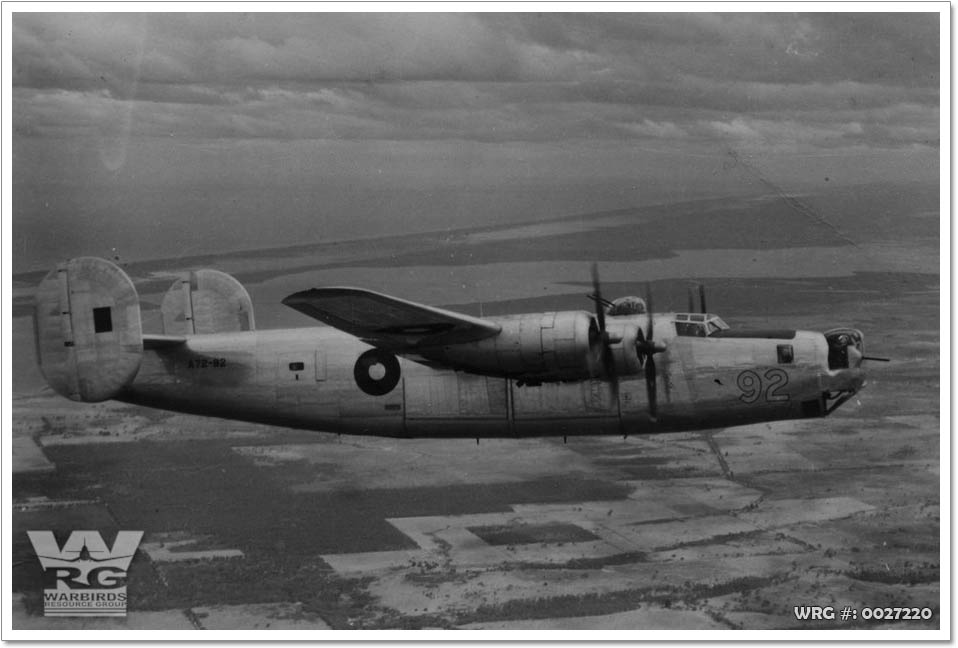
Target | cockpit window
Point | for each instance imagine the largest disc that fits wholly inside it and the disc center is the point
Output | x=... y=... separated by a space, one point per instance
x=690 y=329
x=698 y=324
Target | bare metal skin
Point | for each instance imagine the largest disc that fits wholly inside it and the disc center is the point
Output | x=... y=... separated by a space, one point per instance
x=427 y=372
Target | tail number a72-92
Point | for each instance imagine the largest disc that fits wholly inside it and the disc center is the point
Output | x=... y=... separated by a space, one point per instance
x=753 y=386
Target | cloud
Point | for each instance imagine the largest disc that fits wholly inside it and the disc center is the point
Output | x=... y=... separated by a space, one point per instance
x=228 y=48
x=485 y=77
x=266 y=48
x=894 y=49
x=649 y=128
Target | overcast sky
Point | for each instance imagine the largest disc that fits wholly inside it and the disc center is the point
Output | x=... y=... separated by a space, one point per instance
x=188 y=132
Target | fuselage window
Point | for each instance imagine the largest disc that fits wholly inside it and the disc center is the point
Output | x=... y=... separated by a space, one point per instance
x=296 y=366
x=786 y=354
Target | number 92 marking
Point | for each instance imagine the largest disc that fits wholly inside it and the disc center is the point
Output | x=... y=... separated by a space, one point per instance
x=753 y=386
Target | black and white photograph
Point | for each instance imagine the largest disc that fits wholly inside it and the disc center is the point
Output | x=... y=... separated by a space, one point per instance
x=553 y=322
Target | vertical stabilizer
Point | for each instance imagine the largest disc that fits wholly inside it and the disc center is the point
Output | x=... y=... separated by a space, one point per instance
x=206 y=301
x=88 y=332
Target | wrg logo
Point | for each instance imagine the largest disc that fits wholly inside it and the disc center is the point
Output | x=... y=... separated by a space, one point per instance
x=90 y=578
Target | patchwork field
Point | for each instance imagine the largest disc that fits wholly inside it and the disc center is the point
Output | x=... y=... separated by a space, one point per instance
x=258 y=527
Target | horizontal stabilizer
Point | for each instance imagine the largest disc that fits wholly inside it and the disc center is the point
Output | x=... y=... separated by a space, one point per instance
x=388 y=322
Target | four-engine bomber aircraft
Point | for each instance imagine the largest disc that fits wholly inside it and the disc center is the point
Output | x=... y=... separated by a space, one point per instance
x=388 y=367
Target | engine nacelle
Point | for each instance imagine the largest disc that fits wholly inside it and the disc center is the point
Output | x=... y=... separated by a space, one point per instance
x=624 y=336
x=534 y=348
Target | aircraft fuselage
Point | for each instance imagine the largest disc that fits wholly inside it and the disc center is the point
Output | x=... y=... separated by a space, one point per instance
x=314 y=378
x=429 y=372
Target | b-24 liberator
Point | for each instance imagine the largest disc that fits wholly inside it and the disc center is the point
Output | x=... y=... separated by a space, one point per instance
x=379 y=365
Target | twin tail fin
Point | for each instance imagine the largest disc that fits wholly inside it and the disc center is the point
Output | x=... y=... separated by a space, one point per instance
x=88 y=329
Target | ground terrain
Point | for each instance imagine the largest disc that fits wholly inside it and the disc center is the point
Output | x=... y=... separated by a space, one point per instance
x=251 y=526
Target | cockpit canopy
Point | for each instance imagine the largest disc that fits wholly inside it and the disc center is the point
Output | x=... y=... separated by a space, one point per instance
x=627 y=306
x=698 y=324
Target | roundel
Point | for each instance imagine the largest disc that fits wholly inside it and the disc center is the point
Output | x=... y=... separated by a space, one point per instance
x=377 y=372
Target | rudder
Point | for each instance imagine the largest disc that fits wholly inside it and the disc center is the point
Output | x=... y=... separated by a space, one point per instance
x=87 y=329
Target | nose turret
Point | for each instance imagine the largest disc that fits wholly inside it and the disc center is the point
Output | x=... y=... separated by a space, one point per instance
x=845 y=376
x=846 y=348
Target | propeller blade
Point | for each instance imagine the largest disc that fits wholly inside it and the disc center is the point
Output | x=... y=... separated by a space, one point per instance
x=649 y=349
x=609 y=361
x=648 y=308
x=650 y=386
x=597 y=296
x=702 y=298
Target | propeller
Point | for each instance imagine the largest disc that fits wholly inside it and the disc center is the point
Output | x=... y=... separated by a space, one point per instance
x=608 y=359
x=649 y=347
x=650 y=376
x=645 y=344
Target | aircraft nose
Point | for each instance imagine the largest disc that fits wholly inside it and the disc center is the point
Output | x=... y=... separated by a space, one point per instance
x=845 y=376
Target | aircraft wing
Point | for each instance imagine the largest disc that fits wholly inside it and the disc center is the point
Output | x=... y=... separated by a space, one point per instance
x=388 y=322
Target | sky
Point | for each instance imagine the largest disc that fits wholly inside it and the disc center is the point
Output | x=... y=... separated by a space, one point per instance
x=167 y=135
